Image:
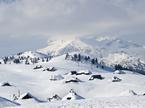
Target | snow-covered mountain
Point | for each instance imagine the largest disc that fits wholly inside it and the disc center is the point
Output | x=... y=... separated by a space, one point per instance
x=97 y=46
x=126 y=61
x=109 y=50
x=60 y=47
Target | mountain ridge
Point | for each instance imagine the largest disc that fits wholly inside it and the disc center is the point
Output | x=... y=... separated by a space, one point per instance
x=110 y=51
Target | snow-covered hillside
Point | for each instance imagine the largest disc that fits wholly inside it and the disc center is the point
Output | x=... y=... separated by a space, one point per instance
x=55 y=92
x=113 y=102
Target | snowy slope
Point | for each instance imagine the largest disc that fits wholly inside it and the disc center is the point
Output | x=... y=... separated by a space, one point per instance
x=38 y=83
x=7 y=103
x=49 y=82
x=114 y=102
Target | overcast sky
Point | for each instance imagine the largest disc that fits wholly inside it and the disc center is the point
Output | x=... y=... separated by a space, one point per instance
x=27 y=24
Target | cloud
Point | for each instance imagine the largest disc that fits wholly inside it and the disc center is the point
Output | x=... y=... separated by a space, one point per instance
x=68 y=18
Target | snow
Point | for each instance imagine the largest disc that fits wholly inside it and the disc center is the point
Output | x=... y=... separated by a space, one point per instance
x=119 y=72
x=126 y=93
x=26 y=79
x=114 y=102
x=125 y=60
x=33 y=54
x=56 y=77
x=84 y=71
x=61 y=47
x=117 y=58
x=72 y=79
x=7 y=103
x=72 y=96
x=109 y=50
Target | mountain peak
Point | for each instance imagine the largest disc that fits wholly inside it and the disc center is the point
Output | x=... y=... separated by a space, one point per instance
x=60 y=47
x=93 y=45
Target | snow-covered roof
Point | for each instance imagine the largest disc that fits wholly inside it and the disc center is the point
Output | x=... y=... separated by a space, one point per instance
x=56 y=77
x=119 y=72
x=84 y=71
x=73 y=79
x=28 y=96
x=5 y=84
x=72 y=96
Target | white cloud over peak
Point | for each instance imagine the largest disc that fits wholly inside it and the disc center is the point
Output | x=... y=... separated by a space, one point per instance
x=67 y=18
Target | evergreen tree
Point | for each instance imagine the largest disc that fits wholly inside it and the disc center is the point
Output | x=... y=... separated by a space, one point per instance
x=27 y=62
x=93 y=61
x=75 y=57
x=86 y=58
x=43 y=60
x=96 y=61
x=118 y=67
x=34 y=60
x=47 y=59
x=5 y=60
x=17 y=61
x=66 y=57
x=79 y=57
